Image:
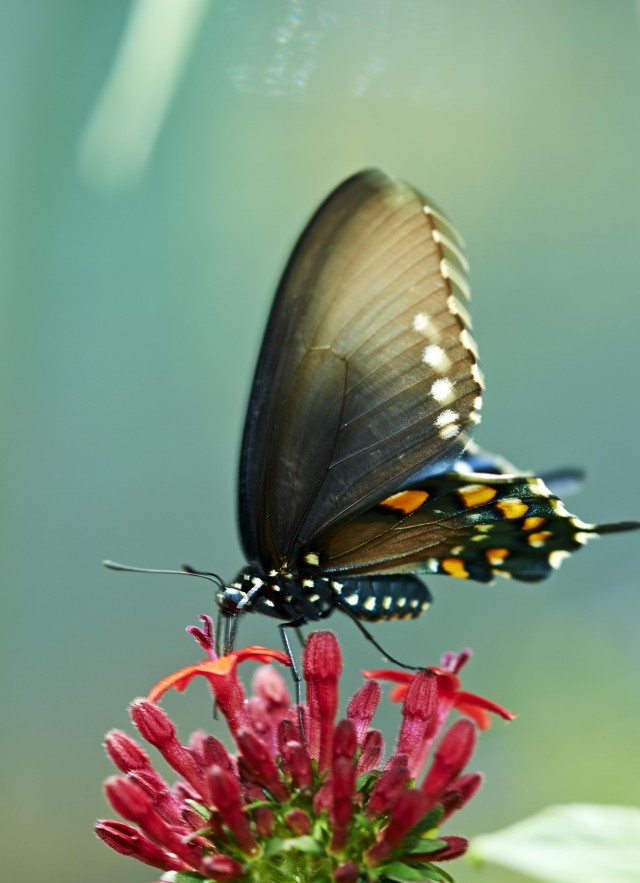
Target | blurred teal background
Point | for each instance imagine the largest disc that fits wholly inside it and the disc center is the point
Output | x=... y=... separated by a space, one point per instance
x=143 y=232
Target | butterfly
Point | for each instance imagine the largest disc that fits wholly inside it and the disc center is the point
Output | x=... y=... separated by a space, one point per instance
x=357 y=469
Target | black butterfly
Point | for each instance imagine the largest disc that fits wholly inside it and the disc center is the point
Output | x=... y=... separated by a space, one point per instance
x=357 y=467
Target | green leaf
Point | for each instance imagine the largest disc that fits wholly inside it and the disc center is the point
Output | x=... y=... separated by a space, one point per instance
x=367 y=780
x=199 y=808
x=183 y=877
x=423 y=844
x=402 y=873
x=305 y=843
x=429 y=822
x=576 y=843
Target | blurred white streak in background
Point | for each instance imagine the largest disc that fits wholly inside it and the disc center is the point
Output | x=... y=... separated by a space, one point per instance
x=120 y=135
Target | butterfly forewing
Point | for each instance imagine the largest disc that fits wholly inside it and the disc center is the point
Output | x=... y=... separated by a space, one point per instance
x=367 y=371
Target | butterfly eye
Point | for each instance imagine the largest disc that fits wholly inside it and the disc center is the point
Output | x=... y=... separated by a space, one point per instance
x=230 y=599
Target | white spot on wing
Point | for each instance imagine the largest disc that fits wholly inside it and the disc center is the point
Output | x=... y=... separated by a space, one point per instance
x=556 y=558
x=420 y=322
x=446 y=417
x=577 y=522
x=450 y=272
x=455 y=307
x=477 y=375
x=434 y=356
x=443 y=240
x=450 y=431
x=370 y=603
x=442 y=390
x=468 y=342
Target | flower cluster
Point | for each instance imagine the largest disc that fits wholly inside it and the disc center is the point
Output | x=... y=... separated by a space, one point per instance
x=303 y=797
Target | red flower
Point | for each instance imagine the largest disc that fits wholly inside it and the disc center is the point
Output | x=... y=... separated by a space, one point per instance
x=319 y=804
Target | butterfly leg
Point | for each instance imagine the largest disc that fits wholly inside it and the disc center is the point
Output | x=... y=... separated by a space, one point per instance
x=367 y=634
x=295 y=674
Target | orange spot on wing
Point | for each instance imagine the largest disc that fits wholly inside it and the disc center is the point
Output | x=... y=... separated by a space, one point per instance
x=533 y=522
x=512 y=508
x=405 y=501
x=495 y=557
x=476 y=495
x=454 y=567
x=539 y=539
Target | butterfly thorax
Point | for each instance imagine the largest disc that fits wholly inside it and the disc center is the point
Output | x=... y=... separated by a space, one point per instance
x=278 y=594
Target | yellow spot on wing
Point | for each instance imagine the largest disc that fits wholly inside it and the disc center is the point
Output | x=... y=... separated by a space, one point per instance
x=454 y=567
x=496 y=556
x=476 y=494
x=533 y=522
x=512 y=508
x=405 y=501
x=539 y=538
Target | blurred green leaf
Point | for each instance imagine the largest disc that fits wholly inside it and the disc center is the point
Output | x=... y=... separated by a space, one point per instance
x=576 y=843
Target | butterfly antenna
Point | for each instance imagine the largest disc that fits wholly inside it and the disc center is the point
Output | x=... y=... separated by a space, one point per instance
x=186 y=571
x=367 y=634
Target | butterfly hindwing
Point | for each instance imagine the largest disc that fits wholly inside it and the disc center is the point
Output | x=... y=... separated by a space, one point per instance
x=367 y=369
x=470 y=526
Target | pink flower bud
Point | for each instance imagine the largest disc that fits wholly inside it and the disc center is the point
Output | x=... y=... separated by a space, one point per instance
x=387 y=790
x=456 y=846
x=131 y=802
x=371 y=752
x=418 y=713
x=343 y=781
x=348 y=872
x=127 y=798
x=165 y=804
x=322 y=666
x=287 y=732
x=265 y=821
x=156 y=727
x=260 y=764
x=298 y=763
x=227 y=797
x=362 y=707
x=460 y=792
x=269 y=684
x=129 y=841
x=450 y=758
x=406 y=812
x=298 y=821
x=221 y=868
x=208 y=750
x=125 y=752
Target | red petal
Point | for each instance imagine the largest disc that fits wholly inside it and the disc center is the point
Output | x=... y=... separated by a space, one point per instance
x=476 y=707
x=222 y=667
x=389 y=674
